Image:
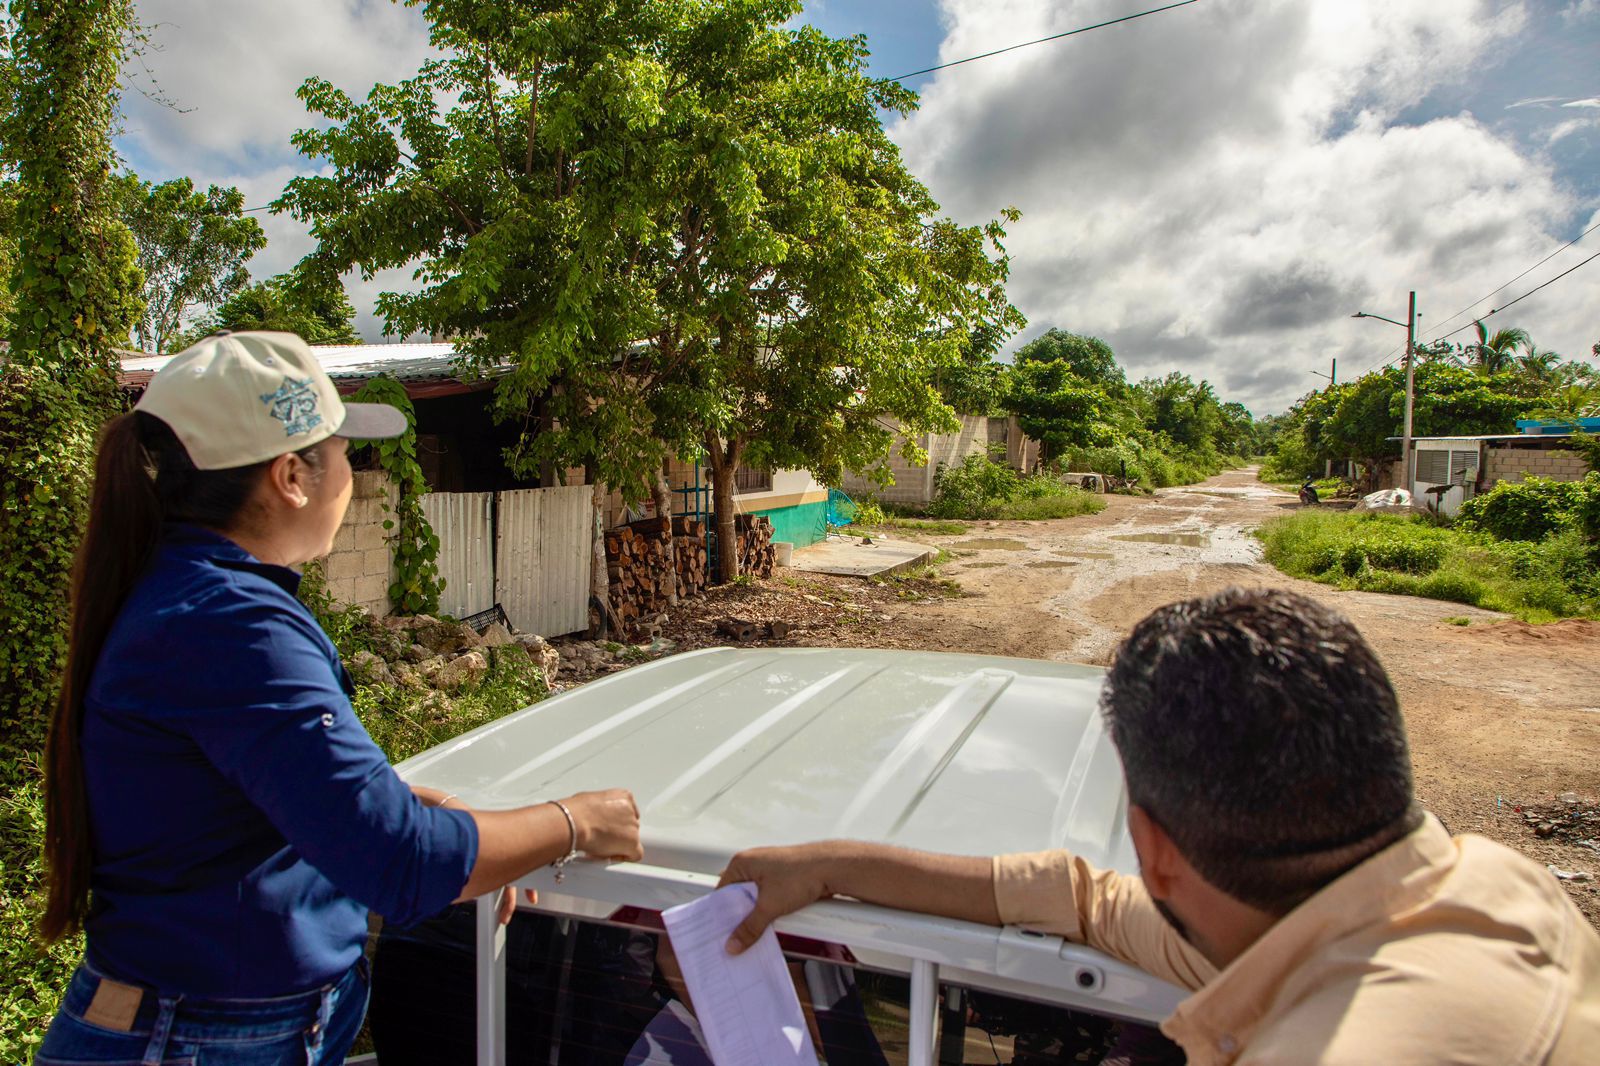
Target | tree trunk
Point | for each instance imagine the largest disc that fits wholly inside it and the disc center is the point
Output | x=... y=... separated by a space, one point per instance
x=727 y=538
x=599 y=580
x=661 y=492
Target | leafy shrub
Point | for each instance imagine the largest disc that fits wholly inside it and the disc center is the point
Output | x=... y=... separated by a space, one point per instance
x=974 y=488
x=1530 y=510
x=869 y=514
x=982 y=488
x=1535 y=580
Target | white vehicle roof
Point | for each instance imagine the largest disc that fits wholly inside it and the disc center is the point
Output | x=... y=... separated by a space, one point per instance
x=728 y=749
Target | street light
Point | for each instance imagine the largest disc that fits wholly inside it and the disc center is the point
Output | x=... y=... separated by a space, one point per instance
x=1409 y=325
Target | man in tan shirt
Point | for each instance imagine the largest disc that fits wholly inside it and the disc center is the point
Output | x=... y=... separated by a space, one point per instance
x=1287 y=876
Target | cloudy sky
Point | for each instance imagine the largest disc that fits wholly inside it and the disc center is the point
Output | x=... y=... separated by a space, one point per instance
x=1213 y=189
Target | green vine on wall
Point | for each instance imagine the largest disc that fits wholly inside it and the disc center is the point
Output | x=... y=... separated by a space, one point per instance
x=417 y=584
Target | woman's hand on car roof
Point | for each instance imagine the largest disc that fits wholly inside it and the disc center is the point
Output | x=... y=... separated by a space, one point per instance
x=607 y=824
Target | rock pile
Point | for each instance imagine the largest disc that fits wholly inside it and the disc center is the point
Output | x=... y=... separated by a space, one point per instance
x=1567 y=820
x=423 y=652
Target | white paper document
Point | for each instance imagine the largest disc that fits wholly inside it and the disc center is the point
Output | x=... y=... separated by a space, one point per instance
x=746 y=1004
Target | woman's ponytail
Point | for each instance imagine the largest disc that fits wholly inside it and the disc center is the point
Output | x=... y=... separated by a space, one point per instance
x=124 y=527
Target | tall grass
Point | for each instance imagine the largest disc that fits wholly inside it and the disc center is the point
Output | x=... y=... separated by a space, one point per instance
x=1537 y=581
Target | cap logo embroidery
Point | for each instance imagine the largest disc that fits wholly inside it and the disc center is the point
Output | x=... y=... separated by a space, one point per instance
x=295 y=405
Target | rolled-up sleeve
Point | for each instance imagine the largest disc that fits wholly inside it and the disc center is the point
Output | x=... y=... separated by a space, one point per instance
x=1058 y=892
x=288 y=739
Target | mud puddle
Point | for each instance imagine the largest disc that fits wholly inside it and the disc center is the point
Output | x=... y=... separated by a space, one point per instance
x=1187 y=540
x=982 y=566
x=999 y=544
x=1051 y=564
x=1088 y=555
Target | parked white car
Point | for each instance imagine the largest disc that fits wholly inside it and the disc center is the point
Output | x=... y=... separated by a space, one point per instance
x=727 y=749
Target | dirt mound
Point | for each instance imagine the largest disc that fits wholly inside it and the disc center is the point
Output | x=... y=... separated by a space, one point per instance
x=1570 y=632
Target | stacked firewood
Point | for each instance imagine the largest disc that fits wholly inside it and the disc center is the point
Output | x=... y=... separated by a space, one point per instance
x=694 y=569
x=641 y=568
x=755 y=550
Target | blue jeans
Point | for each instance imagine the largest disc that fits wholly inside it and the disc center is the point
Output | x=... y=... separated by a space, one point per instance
x=309 y=1029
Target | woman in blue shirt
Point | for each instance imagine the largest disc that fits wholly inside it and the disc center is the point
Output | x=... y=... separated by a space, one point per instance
x=219 y=821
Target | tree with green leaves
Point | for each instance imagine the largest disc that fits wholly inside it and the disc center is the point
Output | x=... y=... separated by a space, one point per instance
x=1186 y=411
x=1058 y=408
x=75 y=283
x=681 y=224
x=812 y=296
x=8 y=252
x=313 y=305
x=192 y=248
x=1089 y=359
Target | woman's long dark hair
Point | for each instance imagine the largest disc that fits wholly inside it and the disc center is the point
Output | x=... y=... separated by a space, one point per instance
x=143 y=478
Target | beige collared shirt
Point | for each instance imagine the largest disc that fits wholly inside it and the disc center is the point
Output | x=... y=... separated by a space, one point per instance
x=1435 y=950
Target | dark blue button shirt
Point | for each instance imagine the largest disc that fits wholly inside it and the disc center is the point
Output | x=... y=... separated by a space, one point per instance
x=243 y=821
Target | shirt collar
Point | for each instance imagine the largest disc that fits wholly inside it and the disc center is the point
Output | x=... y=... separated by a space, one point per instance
x=198 y=542
x=1223 y=1015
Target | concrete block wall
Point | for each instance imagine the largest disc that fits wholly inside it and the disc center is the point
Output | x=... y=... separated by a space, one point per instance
x=1513 y=464
x=360 y=568
x=951 y=448
x=913 y=485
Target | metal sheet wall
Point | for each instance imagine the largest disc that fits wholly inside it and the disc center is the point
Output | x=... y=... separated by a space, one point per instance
x=464 y=524
x=545 y=555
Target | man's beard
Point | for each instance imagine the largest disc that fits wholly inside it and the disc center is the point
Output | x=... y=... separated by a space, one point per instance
x=1172 y=919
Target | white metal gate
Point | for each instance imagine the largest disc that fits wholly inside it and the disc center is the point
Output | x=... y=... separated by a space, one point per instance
x=544 y=558
x=464 y=524
x=535 y=564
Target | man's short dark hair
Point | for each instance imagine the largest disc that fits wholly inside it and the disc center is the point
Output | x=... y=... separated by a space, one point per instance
x=1258 y=729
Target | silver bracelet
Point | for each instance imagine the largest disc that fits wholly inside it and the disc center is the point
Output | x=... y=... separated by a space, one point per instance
x=572 y=849
x=447 y=799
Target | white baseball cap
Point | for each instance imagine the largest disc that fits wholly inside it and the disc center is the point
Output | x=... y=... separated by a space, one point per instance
x=235 y=399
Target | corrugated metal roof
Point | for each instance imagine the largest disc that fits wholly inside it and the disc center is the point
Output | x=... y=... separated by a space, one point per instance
x=404 y=361
x=1491 y=436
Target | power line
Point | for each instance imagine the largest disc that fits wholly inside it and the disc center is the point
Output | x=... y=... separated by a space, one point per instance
x=1519 y=299
x=986 y=55
x=1042 y=40
x=1520 y=276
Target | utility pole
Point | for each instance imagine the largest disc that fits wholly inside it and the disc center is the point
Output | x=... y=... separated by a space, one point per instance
x=1333 y=379
x=1411 y=343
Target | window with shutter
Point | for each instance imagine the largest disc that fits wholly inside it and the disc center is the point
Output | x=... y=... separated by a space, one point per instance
x=1433 y=467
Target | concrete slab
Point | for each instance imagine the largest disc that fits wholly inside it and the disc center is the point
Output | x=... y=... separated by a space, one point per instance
x=848 y=557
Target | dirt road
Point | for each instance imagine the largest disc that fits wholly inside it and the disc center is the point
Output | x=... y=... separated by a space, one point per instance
x=1501 y=715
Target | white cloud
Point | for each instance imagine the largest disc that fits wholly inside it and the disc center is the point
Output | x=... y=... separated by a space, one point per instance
x=1213 y=189
x=1593 y=101
x=1216 y=189
x=231 y=70
x=1581 y=9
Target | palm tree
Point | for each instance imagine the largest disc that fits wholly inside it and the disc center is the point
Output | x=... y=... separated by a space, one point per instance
x=1499 y=352
x=1570 y=403
x=1540 y=366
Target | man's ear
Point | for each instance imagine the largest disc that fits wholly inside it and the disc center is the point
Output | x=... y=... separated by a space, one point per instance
x=1159 y=860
